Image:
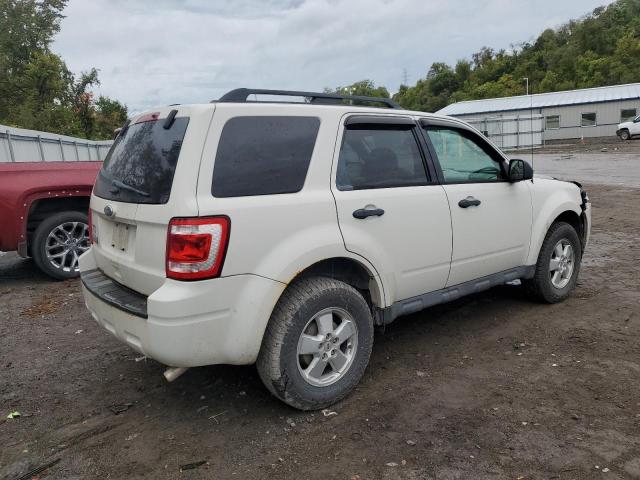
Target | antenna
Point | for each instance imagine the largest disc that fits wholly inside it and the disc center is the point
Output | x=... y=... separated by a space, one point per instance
x=405 y=77
x=531 y=123
x=526 y=79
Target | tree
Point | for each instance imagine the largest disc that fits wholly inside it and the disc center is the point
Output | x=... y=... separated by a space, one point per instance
x=110 y=113
x=38 y=90
x=363 y=88
x=602 y=48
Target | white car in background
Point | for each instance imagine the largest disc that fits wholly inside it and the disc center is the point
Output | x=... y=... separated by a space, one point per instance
x=281 y=233
x=629 y=129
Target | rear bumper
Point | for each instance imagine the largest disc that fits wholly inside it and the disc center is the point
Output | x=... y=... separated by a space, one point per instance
x=191 y=324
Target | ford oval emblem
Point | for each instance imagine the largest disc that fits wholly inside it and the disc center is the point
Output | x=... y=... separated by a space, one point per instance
x=108 y=211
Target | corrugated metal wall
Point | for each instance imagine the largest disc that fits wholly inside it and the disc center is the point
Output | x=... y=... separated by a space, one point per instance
x=20 y=145
x=512 y=132
x=607 y=118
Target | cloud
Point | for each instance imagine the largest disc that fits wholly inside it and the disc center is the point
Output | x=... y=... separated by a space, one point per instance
x=159 y=52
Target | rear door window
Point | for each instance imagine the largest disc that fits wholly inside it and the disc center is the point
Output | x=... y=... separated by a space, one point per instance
x=379 y=156
x=263 y=155
x=140 y=166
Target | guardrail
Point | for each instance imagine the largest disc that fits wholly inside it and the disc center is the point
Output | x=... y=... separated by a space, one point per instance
x=21 y=145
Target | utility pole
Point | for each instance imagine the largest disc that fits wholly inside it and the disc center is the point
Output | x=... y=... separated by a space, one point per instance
x=527 y=80
x=405 y=77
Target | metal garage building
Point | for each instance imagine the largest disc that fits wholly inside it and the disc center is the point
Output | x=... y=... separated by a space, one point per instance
x=590 y=112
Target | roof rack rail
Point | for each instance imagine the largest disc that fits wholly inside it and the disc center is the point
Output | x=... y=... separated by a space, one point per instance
x=241 y=95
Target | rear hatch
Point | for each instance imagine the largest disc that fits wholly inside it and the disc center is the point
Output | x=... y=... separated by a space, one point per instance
x=149 y=177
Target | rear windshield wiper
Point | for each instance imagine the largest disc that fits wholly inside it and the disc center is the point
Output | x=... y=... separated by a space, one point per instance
x=120 y=185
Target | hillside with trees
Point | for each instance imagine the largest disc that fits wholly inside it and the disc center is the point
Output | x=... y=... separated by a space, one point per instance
x=37 y=90
x=602 y=48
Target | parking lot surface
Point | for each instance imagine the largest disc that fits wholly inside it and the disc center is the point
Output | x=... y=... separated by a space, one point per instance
x=490 y=386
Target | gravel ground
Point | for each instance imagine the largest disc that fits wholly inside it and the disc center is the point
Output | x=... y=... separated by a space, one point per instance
x=491 y=386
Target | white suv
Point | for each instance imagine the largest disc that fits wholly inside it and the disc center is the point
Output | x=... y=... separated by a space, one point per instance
x=629 y=129
x=282 y=233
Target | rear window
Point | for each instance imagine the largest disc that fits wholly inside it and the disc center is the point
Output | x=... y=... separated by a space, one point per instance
x=263 y=155
x=139 y=167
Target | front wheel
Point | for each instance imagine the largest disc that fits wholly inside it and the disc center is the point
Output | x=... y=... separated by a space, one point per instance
x=317 y=344
x=558 y=265
x=625 y=135
x=58 y=242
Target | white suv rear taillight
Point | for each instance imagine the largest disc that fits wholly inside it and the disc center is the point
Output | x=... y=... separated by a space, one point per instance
x=196 y=247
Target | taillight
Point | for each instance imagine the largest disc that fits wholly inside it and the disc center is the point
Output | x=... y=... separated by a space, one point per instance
x=196 y=247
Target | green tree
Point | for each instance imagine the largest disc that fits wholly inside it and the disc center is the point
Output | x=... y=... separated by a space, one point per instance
x=37 y=89
x=601 y=48
x=110 y=115
x=363 y=88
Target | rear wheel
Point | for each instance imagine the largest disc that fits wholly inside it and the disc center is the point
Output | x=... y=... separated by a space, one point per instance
x=558 y=265
x=317 y=344
x=58 y=242
x=625 y=135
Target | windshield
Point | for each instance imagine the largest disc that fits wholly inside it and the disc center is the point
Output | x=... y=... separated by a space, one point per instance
x=140 y=166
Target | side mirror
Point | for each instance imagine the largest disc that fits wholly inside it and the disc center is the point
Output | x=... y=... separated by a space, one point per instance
x=520 y=170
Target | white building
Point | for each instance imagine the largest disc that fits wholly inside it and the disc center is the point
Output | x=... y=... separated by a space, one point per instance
x=589 y=112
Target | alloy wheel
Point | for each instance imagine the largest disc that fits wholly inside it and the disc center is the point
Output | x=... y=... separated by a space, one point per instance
x=327 y=347
x=562 y=264
x=65 y=243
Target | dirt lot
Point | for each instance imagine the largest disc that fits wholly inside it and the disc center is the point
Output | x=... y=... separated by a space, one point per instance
x=491 y=386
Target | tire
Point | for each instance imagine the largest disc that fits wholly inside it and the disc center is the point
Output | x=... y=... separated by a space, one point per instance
x=58 y=242
x=288 y=373
x=625 y=135
x=553 y=286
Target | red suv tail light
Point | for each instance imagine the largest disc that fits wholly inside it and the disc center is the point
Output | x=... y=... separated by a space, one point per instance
x=196 y=247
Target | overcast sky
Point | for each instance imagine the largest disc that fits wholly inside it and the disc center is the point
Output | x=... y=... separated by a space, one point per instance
x=159 y=52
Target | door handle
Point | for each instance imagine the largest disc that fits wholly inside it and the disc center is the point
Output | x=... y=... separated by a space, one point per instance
x=469 y=202
x=362 y=213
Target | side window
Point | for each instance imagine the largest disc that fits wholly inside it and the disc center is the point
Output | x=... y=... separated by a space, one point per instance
x=379 y=156
x=588 y=120
x=463 y=158
x=552 y=122
x=263 y=155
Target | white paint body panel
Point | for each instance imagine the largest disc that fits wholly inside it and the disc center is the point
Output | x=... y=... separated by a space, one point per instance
x=414 y=261
x=551 y=198
x=493 y=236
x=633 y=127
x=406 y=252
x=141 y=265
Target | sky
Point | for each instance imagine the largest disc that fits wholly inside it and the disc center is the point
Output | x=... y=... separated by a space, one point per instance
x=159 y=52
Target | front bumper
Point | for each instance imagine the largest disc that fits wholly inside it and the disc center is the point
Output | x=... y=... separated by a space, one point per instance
x=191 y=324
x=586 y=222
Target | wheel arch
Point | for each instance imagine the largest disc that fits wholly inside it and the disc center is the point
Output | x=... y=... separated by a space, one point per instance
x=573 y=219
x=40 y=208
x=566 y=212
x=351 y=271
